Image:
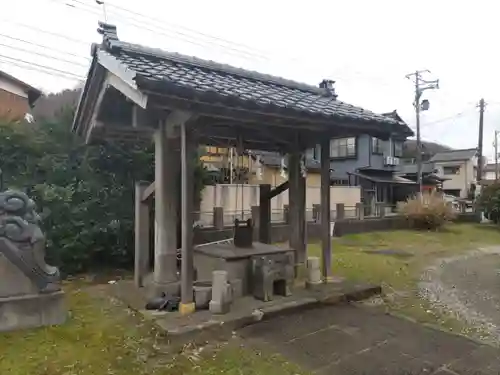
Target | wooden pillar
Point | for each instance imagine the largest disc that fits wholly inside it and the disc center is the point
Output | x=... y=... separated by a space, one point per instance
x=188 y=152
x=264 y=214
x=326 y=235
x=141 y=259
x=166 y=169
x=297 y=208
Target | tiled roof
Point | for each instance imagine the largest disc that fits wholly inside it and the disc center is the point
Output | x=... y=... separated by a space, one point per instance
x=455 y=155
x=412 y=168
x=158 y=68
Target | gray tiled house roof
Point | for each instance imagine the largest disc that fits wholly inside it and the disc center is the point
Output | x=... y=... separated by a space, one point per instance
x=179 y=75
x=454 y=155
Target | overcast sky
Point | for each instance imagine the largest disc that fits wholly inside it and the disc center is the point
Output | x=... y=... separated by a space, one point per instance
x=366 y=46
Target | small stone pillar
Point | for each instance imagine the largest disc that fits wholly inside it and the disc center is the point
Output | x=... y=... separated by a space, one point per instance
x=221 y=291
x=340 y=211
x=313 y=272
x=286 y=213
x=316 y=212
x=360 y=212
x=218 y=218
x=381 y=210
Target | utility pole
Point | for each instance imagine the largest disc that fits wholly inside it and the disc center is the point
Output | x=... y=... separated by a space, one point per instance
x=495 y=144
x=420 y=86
x=480 y=143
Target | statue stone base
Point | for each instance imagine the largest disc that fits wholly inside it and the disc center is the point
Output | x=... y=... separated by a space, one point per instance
x=30 y=290
x=22 y=305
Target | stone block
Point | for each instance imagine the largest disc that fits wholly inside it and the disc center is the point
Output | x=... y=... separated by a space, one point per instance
x=32 y=310
x=272 y=274
x=202 y=294
x=13 y=281
x=313 y=272
x=221 y=297
x=237 y=288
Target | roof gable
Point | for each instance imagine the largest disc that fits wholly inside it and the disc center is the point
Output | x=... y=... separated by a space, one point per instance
x=454 y=155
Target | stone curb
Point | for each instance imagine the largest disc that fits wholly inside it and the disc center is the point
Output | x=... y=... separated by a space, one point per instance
x=217 y=330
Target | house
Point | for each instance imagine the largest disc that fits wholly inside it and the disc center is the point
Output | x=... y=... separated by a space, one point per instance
x=16 y=97
x=229 y=167
x=431 y=181
x=372 y=163
x=459 y=167
x=490 y=172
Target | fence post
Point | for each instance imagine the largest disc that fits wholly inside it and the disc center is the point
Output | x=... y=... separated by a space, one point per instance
x=340 y=208
x=381 y=210
x=286 y=213
x=316 y=211
x=218 y=217
x=360 y=212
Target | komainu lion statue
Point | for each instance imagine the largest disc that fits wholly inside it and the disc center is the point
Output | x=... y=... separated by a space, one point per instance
x=22 y=241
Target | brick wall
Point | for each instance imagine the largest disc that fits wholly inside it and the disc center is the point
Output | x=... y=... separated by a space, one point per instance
x=12 y=107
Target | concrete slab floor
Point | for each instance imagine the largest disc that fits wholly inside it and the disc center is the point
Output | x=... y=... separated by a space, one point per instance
x=202 y=326
x=349 y=339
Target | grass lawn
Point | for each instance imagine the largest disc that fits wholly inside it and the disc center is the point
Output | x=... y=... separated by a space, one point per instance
x=102 y=337
x=399 y=276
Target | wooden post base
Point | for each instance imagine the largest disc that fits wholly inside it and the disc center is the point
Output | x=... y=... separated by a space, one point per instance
x=186 y=308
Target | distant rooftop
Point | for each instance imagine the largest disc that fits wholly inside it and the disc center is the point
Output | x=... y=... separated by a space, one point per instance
x=33 y=93
x=455 y=155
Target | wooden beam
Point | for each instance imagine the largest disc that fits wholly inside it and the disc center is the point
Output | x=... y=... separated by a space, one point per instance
x=141 y=238
x=278 y=190
x=233 y=111
x=265 y=214
x=148 y=192
x=326 y=235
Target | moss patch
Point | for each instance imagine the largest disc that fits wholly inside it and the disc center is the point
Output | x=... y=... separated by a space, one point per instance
x=103 y=337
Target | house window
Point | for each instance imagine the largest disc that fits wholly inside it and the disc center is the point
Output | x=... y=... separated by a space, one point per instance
x=340 y=182
x=451 y=170
x=377 y=146
x=343 y=147
x=398 y=149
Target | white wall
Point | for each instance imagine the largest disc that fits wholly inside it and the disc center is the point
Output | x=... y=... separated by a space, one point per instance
x=8 y=86
x=233 y=197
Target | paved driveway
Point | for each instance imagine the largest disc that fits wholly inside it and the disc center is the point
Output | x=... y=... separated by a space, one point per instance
x=349 y=339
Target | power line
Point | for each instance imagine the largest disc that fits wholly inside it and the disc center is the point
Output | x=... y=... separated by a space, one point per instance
x=31 y=64
x=46 y=32
x=40 y=70
x=43 y=55
x=155 y=28
x=43 y=46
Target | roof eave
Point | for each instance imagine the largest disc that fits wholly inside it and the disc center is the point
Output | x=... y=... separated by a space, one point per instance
x=161 y=88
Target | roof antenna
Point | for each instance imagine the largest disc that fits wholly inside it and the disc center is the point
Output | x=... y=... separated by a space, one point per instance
x=101 y=2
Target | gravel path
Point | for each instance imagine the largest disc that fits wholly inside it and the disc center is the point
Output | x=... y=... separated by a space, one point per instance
x=468 y=286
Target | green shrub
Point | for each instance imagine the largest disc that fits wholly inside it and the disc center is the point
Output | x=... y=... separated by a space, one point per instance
x=489 y=202
x=85 y=194
x=428 y=211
